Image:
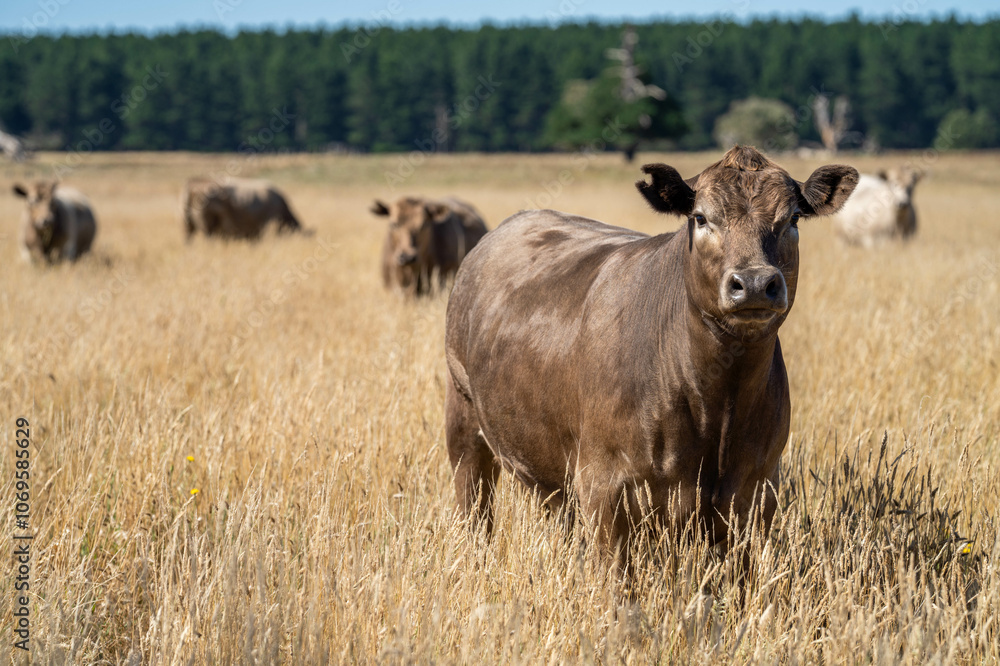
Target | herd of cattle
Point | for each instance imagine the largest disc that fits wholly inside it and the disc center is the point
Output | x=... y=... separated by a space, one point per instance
x=426 y=237
x=645 y=372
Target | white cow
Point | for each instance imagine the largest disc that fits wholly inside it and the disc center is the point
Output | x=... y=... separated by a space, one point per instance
x=881 y=208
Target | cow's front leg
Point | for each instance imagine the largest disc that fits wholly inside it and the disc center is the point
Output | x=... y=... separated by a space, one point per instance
x=605 y=504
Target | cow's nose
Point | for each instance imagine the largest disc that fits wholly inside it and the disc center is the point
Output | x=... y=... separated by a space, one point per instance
x=755 y=289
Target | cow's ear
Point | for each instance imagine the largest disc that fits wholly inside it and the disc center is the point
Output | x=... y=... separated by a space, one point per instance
x=19 y=190
x=828 y=189
x=436 y=211
x=668 y=192
x=379 y=208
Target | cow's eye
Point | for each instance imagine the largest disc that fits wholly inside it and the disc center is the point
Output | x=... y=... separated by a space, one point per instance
x=700 y=220
x=795 y=219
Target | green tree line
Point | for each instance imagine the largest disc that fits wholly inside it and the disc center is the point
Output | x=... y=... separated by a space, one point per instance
x=490 y=88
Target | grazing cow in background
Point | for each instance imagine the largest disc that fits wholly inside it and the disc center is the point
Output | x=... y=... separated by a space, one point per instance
x=645 y=372
x=58 y=223
x=234 y=208
x=881 y=208
x=426 y=235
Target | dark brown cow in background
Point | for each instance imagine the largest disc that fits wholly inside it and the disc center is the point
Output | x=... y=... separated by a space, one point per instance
x=644 y=371
x=58 y=222
x=234 y=208
x=426 y=236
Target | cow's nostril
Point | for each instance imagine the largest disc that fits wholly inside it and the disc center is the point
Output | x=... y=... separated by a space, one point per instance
x=735 y=284
x=772 y=288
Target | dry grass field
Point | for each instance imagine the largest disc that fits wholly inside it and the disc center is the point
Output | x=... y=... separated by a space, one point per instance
x=238 y=451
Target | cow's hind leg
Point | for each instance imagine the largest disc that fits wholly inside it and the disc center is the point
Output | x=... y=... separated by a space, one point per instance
x=476 y=468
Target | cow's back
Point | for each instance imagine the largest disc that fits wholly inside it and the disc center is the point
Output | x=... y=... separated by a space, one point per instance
x=254 y=203
x=251 y=202
x=470 y=218
x=252 y=194
x=533 y=260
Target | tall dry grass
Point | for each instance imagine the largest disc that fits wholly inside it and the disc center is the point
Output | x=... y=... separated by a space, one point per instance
x=304 y=404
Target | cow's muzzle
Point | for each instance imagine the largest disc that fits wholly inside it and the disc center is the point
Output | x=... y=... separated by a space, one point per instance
x=756 y=293
x=45 y=231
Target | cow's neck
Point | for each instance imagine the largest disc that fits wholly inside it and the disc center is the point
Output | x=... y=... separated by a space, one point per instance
x=735 y=399
x=726 y=372
x=725 y=382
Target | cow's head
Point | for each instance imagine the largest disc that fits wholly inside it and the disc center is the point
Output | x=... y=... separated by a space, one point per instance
x=742 y=254
x=901 y=182
x=41 y=212
x=411 y=227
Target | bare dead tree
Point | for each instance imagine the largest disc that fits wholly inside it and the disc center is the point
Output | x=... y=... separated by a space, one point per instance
x=831 y=132
x=632 y=87
x=12 y=147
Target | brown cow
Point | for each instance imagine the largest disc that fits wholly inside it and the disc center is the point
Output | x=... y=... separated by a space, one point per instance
x=58 y=222
x=234 y=208
x=644 y=371
x=426 y=235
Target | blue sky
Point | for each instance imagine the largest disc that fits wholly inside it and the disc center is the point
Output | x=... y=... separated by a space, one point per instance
x=119 y=15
